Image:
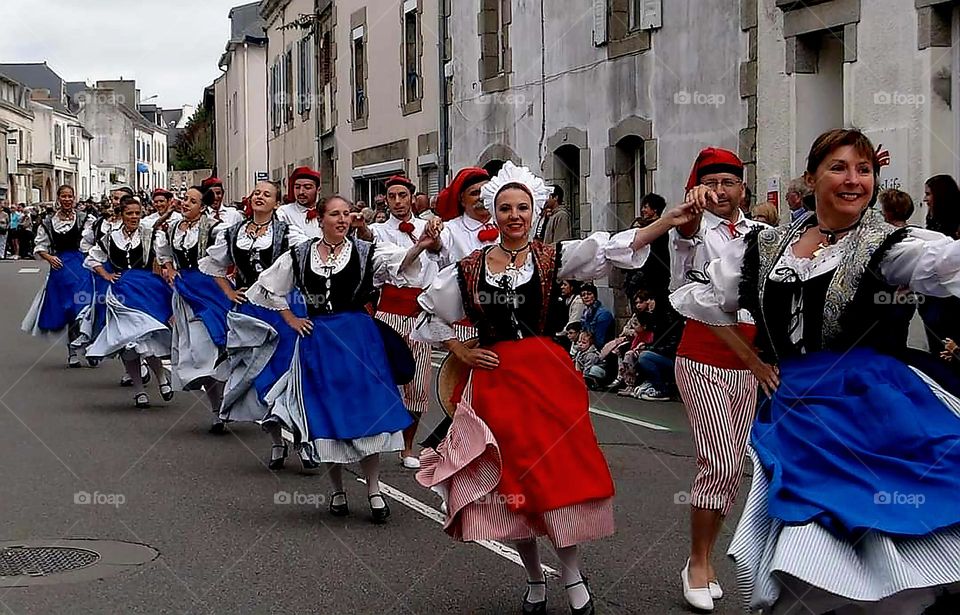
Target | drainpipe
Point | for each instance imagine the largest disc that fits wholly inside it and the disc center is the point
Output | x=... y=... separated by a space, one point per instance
x=443 y=157
x=246 y=123
x=315 y=76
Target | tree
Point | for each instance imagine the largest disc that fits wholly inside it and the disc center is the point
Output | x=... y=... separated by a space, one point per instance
x=194 y=146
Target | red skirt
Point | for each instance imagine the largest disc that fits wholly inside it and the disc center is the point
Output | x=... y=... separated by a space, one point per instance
x=536 y=405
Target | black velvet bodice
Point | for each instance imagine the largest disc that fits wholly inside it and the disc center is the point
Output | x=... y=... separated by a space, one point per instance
x=250 y=264
x=65 y=242
x=341 y=292
x=122 y=260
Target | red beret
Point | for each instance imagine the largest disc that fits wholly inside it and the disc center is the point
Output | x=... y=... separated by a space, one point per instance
x=301 y=173
x=401 y=180
x=210 y=182
x=714 y=160
x=161 y=192
x=448 y=201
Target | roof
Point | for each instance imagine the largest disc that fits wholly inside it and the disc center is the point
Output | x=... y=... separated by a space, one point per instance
x=74 y=88
x=245 y=22
x=171 y=117
x=35 y=75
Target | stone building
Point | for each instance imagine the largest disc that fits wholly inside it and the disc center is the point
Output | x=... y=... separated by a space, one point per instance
x=16 y=128
x=885 y=66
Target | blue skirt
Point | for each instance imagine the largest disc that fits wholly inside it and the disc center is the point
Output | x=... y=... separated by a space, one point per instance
x=856 y=443
x=68 y=290
x=145 y=292
x=207 y=301
x=347 y=388
x=279 y=362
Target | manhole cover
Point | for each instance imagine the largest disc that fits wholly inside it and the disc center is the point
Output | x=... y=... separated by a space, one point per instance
x=32 y=562
x=41 y=561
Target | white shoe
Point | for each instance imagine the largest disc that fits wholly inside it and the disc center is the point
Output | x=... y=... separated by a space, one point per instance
x=699 y=598
x=411 y=463
x=716 y=592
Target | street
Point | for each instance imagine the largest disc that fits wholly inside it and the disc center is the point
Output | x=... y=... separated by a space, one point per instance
x=81 y=463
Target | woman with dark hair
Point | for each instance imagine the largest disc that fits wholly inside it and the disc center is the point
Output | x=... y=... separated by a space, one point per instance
x=199 y=305
x=545 y=475
x=68 y=288
x=137 y=302
x=853 y=503
x=339 y=398
x=259 y=344
x=941 y=195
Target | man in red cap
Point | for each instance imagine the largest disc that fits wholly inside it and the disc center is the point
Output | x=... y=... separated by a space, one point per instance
x=162 y=203
x=398 y=306
x=468 y=224
x=301 y=211
x=718 y=390
x=225 y=216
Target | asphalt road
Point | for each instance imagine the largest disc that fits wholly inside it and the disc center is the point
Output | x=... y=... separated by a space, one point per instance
x=229 y=544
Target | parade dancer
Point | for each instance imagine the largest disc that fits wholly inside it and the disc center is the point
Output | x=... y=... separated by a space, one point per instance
x=301 y=211
x=199 y=305
x=339 y=398
x=848 y=439
x=718 y=390
x=68 y=288
x=467 y=223
x=398 y=302
x=162 y=203
x=224 y=216
x=259 y=343
x=523 y=461
x=137 y=302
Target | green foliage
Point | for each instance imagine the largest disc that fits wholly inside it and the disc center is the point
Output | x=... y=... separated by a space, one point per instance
x=193 y=148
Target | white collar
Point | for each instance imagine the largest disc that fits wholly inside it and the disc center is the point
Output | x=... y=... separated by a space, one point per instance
x=712 y=221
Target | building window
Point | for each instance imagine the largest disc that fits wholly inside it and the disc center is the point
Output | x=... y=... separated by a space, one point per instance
x=288 y=87
x=325 y=77
x=412 y=86
x=495 y=53
x=304 y=73
x=58 y=140
x=276 y=95
x=359 y=77
x=629 y=23
x=74 y=145
x=233 y=113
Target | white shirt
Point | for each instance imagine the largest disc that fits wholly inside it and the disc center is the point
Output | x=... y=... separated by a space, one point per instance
x=226 y=216
x=98 y=256
x=389 y=232
x=581 y=259
x=151 y=220
x=275 y=283
x=89 y=237
x=183 y=239
x=218 y=260
x=295 y=214
x=42 y=242
x=459 y=238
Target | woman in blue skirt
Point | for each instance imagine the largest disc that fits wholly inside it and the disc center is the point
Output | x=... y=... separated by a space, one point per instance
x=69 y=287
x=339 y=398
x=199 y=304
x=137 y=302
x=853 y=505
x=259 y=343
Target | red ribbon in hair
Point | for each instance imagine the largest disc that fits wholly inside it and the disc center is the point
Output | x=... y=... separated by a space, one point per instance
x=247 y=207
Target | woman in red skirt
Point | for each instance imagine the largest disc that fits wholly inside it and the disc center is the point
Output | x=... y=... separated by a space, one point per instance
x=522 y=460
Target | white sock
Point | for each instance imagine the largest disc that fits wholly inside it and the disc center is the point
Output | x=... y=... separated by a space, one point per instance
x=570 y=575
x=529 y=553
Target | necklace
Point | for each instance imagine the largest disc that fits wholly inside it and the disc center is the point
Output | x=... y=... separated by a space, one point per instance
x=513 y=254
x=332 y=246
x=257 y=228
x=831 y=237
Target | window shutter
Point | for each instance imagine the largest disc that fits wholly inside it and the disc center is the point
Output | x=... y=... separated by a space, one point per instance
x=651 y=14
x=599 y=22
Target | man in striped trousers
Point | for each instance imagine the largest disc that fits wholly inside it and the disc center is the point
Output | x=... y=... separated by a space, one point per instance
x=398 y=306
x=718 y=390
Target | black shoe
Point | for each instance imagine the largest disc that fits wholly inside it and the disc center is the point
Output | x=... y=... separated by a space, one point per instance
x=339 y=510
x=380 y=515
x=145 y=375
x=166 y=391
x=140 y=400
x=534 y=608
x=73 y=361
x=586 y=609
x=219 y=428
x=93 y=362
x=126 y=381
x=307 y=463
x=277 y=464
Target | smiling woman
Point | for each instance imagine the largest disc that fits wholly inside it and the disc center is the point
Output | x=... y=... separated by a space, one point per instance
x=838 y=433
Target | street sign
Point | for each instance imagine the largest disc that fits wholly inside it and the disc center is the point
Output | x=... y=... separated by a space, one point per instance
x=262 y=177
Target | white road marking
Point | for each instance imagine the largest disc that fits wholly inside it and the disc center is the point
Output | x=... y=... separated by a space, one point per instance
x=432 y=513
x=30 y=270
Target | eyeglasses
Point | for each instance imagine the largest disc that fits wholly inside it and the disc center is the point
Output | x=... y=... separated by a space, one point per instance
x=713 y=184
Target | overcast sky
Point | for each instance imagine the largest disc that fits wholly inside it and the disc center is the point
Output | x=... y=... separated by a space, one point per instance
x=171 y=47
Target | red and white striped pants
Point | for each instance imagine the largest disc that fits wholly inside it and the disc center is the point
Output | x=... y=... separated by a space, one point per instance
x=415 y=393
x=720 y=406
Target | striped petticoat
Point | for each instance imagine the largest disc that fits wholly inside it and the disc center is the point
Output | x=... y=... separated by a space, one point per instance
x=415 y=394
x=467 y=475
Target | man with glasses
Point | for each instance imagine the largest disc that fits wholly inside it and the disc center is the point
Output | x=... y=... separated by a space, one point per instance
x=718 y=390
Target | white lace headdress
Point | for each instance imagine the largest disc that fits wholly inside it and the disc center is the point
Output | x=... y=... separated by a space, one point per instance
x=512 y=174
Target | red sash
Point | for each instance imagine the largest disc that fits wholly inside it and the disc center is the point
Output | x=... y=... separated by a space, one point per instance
x=702 y=345
x=402 y=301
